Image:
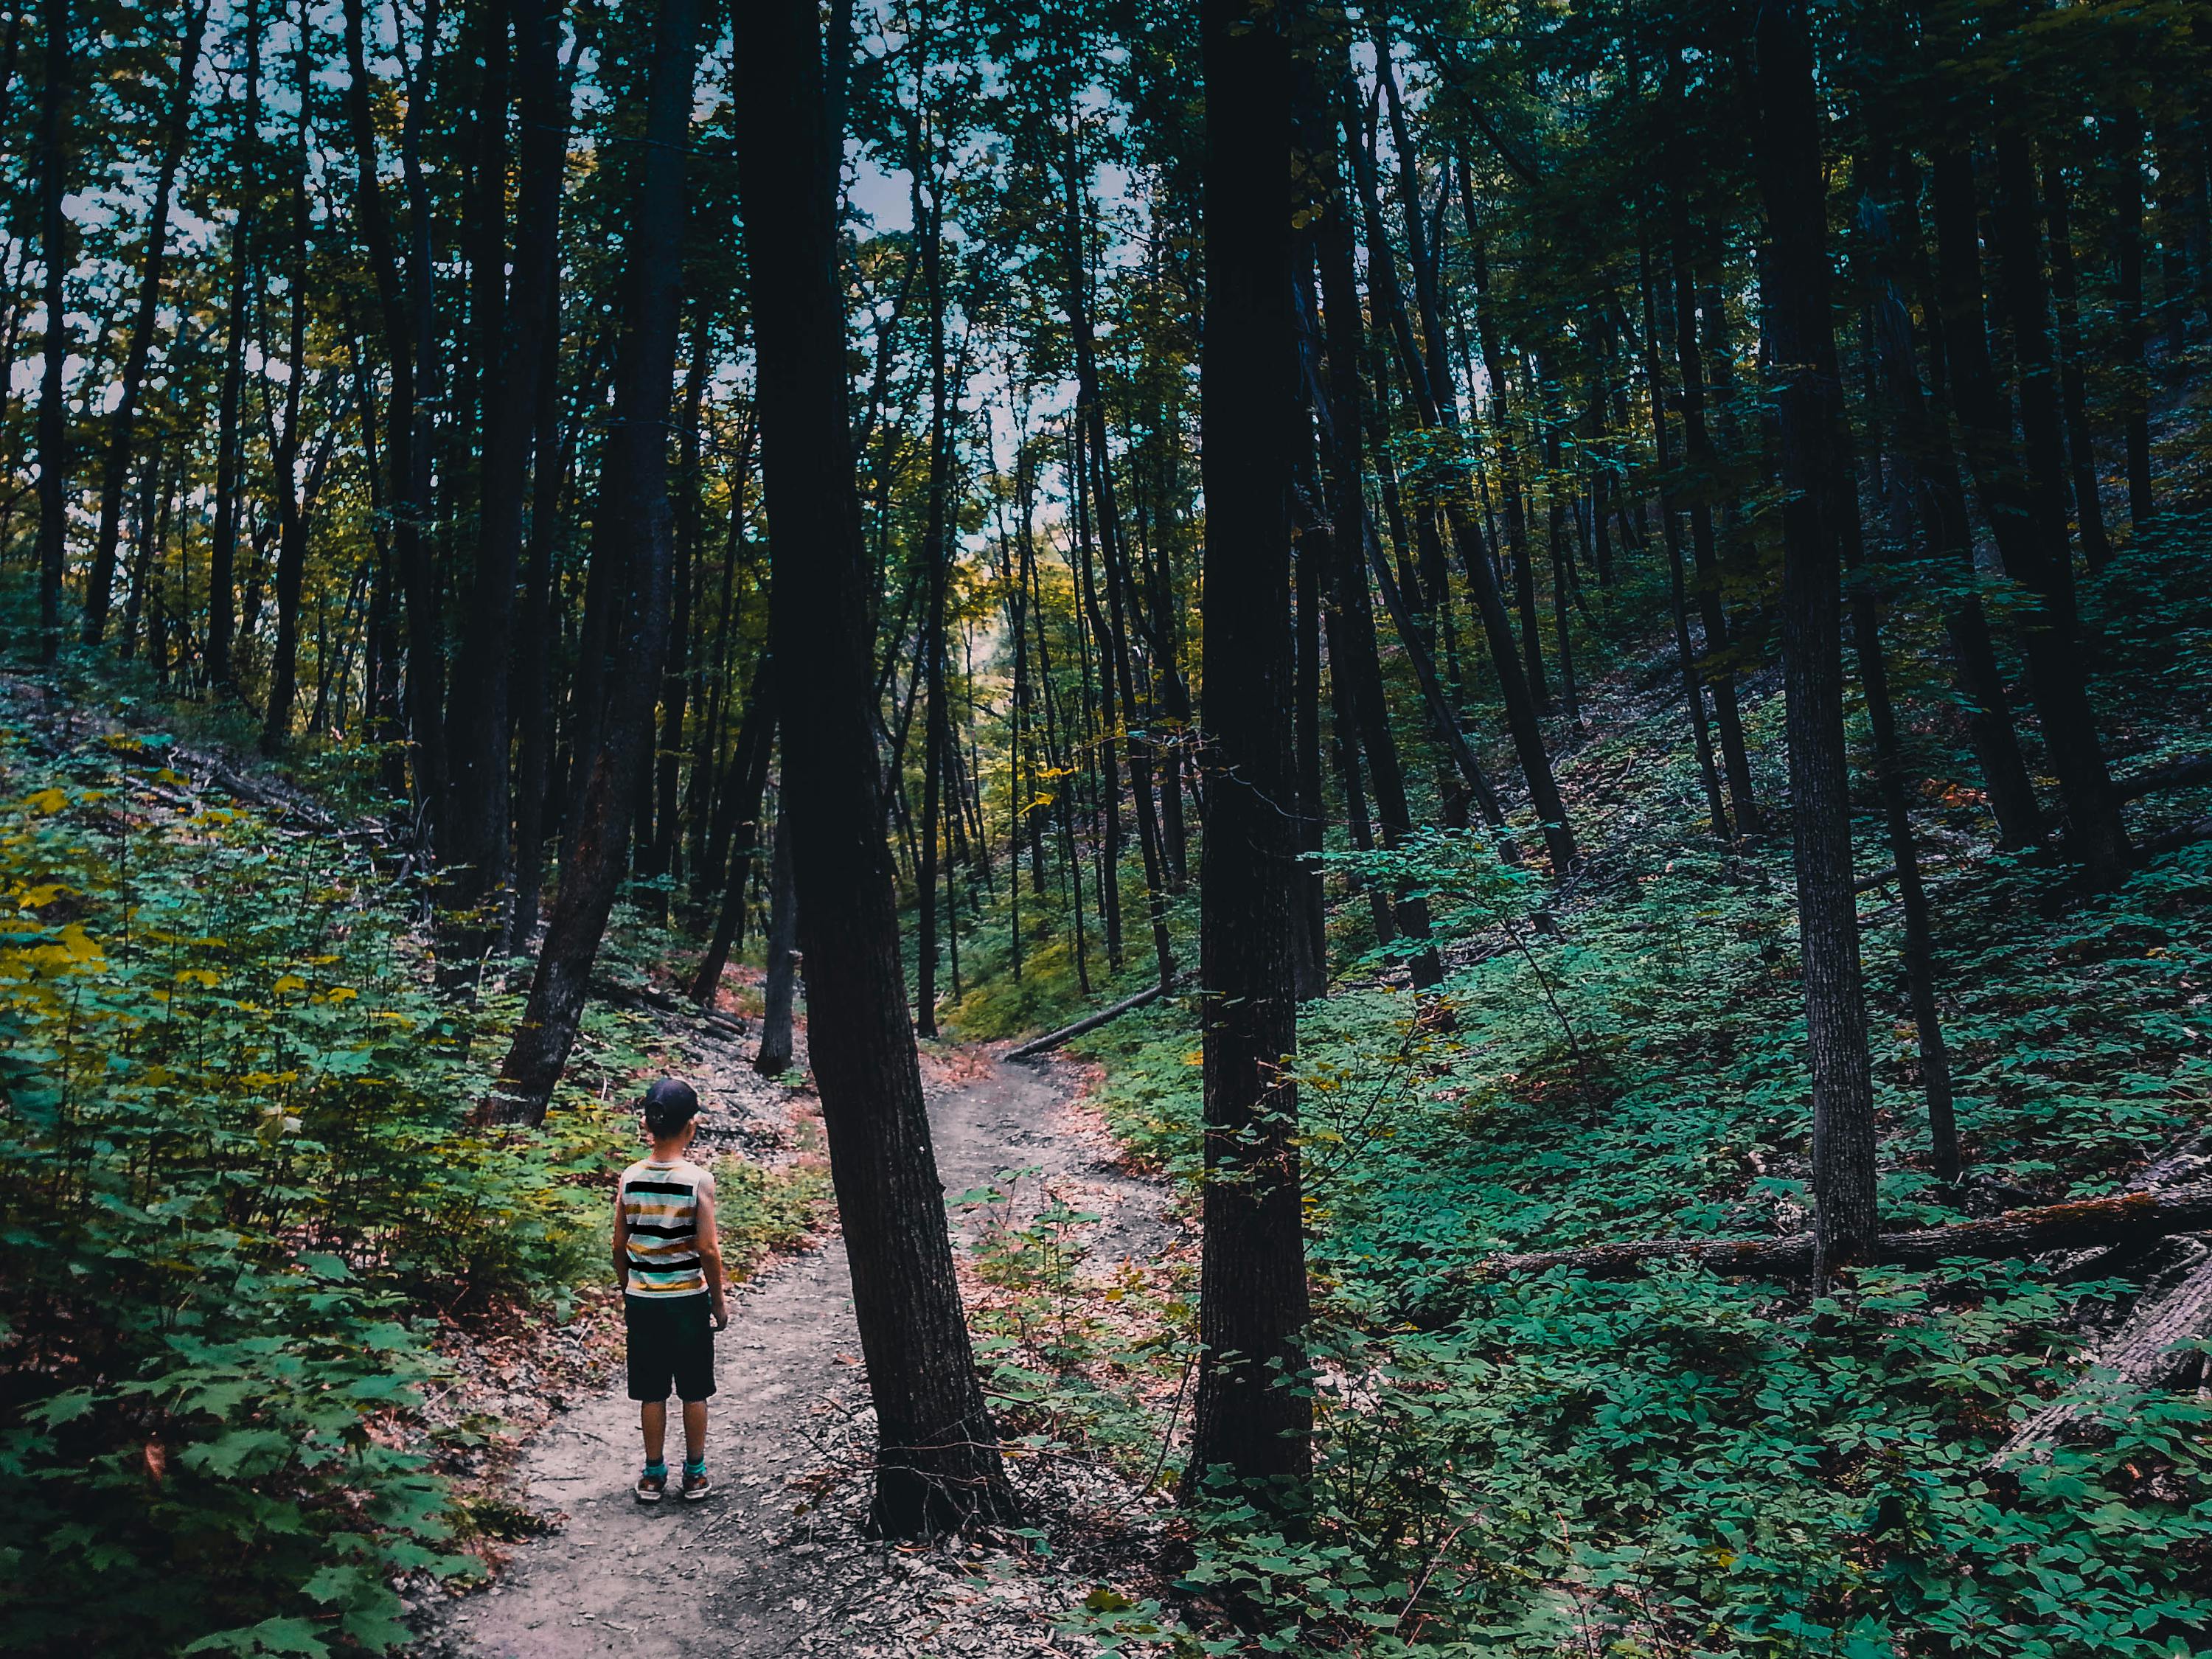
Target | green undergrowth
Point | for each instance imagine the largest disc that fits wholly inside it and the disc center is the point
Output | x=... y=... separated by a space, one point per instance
x=240 y=1191
x=1677 y=1463
x=761 y=1210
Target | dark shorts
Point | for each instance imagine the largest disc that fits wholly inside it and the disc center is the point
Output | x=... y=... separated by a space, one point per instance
x=670 y=1340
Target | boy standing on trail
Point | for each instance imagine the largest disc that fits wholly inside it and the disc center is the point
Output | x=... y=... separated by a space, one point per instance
x=669 y=1263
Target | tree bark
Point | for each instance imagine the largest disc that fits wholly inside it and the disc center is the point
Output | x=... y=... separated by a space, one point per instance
x=1253 y=1421
x=1816 y=473
x=1670 y=531
x=1931 y=468
x=54 y=411
x=1703 y=462
x=295 y=504
x=477 y=865
x=2021 y=524
x=2080 y=441
x=773 y=1058
x=738 y=814
x=123 y=419
x=936 y=732
x=2126 y=140
x=406 y=455
x=635 y=491
x=938 y=1462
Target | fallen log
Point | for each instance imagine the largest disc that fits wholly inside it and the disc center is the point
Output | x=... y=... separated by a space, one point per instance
x=2144 y=1354
x=2173 y=775
x=1051 y=1040
x=2087 y=1224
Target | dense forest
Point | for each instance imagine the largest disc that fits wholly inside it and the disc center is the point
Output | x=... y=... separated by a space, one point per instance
x=1568 y=642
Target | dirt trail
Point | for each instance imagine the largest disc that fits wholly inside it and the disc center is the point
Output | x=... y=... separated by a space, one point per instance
x=762 y=1569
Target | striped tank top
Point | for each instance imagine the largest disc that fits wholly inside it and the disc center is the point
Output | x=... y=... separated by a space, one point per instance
x=661 y=1208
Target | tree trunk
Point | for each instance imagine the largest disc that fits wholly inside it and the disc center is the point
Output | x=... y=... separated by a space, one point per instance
x=1671 y=534
x=123 y=419
x=937 y=1461
x=2134 y=321
x=476 y=865
x=295 y=504
x=2095 y=834
x=53 y=411
x=737 y=815
x=2081 y=443
x=936 y=732
x=533 y=692
x=635 y=494
x=1703 y=463
x=1253 y=1420
x=1816 y=474
x=667 y=859
x=1931 y=465
x=1309 y=922
x=773 y=1058
x=407 y=468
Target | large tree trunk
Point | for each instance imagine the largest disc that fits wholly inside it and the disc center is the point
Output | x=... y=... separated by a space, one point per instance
x=123 y=419
x=635 y=492
x=475 y=861
x=1816 y=473
x=1253 y=1422
x=938 y=1461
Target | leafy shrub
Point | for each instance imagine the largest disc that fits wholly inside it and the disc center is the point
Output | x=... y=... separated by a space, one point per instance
x=238 y=1176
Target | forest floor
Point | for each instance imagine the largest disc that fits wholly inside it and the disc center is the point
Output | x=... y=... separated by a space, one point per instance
x=775 y=1563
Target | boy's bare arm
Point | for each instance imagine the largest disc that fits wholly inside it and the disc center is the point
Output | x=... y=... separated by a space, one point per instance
x=710 y=1256
x=622 y=1243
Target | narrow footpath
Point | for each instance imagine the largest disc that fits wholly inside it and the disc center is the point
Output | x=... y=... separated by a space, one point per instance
x=772 y=1564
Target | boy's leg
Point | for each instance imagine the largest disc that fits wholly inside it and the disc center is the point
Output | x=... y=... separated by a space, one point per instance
x=695 y=1431
x=653 y=1418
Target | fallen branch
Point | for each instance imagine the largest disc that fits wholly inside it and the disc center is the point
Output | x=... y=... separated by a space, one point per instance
x=2089 y=1224
x=1051 y=1040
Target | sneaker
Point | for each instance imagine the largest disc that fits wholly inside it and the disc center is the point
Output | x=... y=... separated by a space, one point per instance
x=696 y=1485
x=651 y=1485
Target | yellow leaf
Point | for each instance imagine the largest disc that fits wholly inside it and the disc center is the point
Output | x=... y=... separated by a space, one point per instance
x=290 y=982
x=206 y=977
x=46 y=800
x=342 y=994
x=81 y=945
x=36 y=898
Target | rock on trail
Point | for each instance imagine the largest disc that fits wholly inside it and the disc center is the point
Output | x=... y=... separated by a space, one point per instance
x=766 y=1567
